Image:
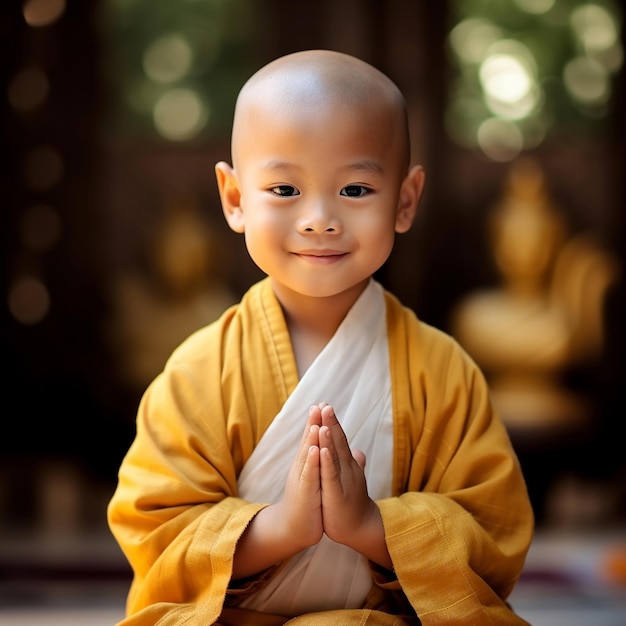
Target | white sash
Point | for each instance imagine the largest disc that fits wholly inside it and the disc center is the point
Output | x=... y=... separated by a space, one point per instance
x=352 y=374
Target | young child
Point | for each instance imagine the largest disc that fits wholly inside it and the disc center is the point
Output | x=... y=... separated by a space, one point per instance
x=319 y=455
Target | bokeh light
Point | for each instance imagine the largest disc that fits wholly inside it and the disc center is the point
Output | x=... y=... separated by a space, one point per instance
x=29 y=300
x=42 y=12
x=508 y=77
x=28 y=89
x=168 y=59
x=595 y=27
x=547 y=66
x=535 y=6
x=177 y=70
x=587 y=81
x=471 y=39
x=499 y=139
x=180 y=115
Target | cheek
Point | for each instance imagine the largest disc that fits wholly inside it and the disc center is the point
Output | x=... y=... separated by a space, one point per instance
x=375 y=226
x=383 y=246
x=265 y=225
x=380 y=239
x=263 y=238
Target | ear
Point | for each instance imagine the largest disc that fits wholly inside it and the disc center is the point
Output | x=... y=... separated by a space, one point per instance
x=230 y=195
x=410 y=195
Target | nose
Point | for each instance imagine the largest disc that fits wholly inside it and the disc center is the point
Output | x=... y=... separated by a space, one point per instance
x=319 y=217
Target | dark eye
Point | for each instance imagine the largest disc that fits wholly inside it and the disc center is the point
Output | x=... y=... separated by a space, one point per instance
x=354 y=191
x=284 y=190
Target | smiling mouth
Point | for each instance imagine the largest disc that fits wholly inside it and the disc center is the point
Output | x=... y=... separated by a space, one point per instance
x=321 y=253
x=321 y=256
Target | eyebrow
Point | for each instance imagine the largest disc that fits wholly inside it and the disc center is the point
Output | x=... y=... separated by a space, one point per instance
x=275 y=164
x=367 y=165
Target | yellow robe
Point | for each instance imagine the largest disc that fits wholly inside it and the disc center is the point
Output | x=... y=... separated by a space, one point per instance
x=458 y=525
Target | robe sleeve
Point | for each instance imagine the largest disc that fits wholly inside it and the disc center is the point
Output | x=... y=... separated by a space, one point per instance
x=460 y=524
x=175 y=512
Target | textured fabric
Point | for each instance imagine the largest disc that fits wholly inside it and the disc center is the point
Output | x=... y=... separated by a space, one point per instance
x=457 y=525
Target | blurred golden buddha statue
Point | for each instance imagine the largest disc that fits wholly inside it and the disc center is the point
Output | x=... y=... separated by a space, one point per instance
x=176 y=293
x=546 y=316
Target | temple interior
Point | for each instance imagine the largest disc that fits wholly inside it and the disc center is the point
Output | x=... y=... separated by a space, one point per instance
x=115 y=249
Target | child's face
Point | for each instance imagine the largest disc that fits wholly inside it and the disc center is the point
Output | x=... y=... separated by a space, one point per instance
x=319 y=187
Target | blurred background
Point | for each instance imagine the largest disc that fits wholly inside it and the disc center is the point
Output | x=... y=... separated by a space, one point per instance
x=113 y=114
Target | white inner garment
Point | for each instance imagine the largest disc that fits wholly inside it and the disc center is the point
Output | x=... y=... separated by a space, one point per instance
x=352 y=374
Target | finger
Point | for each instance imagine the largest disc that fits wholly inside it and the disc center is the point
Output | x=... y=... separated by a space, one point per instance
x=311 y=470
x=340 y=441
x=315 y=415
x=331 y=464
x=310 y=437
x=330 y=473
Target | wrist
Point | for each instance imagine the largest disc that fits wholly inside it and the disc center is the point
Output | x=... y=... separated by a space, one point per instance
x=369 y=539
x=289 y=535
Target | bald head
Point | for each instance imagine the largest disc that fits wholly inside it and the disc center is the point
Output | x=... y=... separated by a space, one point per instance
x=313 y=83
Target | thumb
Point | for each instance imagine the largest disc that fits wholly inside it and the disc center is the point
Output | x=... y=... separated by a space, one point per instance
x=359 y=457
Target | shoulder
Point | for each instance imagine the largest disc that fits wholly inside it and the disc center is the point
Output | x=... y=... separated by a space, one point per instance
x=403 y=320
x=203 y=341
x=424 y=345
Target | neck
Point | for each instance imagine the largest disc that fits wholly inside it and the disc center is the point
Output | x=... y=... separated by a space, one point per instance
x=312 y=321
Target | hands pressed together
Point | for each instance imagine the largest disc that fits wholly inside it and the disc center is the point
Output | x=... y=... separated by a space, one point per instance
x=325 y=492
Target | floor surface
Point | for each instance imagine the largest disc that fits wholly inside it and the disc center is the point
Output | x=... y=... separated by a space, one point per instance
x=569 y=580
